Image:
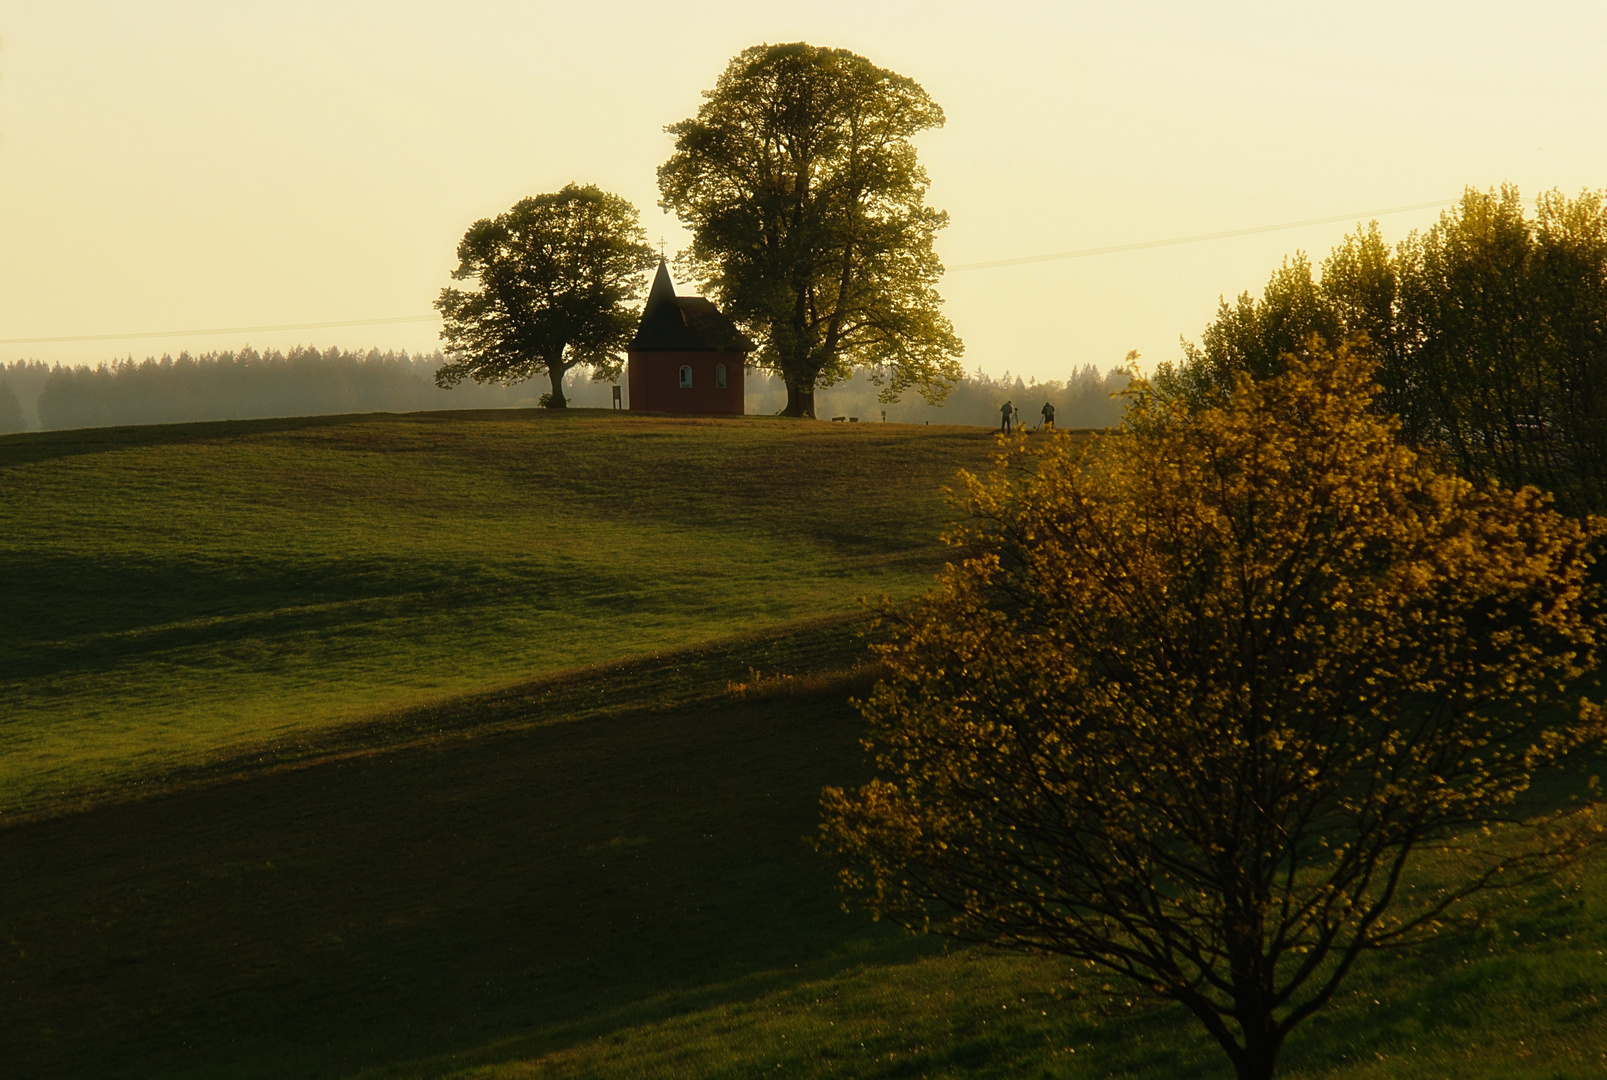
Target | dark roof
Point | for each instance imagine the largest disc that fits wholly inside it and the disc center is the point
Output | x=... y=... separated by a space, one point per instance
x=684 y=323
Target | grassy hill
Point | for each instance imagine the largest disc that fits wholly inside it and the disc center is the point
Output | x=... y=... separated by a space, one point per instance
x=417 y=800
x=192 y=594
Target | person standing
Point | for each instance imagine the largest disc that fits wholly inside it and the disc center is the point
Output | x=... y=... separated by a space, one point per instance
x=1048 y=416
x=1006 y=411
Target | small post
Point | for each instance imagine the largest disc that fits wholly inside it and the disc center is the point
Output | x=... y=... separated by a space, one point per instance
x=617 y=403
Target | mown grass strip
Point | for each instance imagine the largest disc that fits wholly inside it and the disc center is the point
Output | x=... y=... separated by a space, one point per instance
x=818 y=657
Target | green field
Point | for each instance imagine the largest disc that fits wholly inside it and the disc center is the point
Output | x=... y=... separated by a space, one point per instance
x=179 y=596
x=412 y=746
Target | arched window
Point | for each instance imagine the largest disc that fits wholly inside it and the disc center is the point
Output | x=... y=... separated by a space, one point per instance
x=686 y=377
x=719 y=376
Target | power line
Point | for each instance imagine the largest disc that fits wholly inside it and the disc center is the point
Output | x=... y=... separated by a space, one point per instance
x=988 y=264
x=223 y=330
x=1114 y=248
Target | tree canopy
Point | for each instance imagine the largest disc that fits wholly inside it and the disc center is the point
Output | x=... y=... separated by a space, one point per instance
x=1489 y=330
x=556 y=276
x=1199 y=695
x=809 y=223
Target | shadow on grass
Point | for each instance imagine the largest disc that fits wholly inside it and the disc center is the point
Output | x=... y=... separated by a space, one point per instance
x=23 y=448
x=519 y=889
x=829 y=653
x=26 y=448
x=76 y=614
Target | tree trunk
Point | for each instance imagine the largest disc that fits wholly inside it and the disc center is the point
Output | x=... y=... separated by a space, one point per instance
x=556 y=374
x=800 y=402
x=1260 y=1055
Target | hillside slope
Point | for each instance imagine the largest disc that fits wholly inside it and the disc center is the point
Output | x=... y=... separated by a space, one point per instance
x=453 y=763
x=176 y=595
x=610 y=875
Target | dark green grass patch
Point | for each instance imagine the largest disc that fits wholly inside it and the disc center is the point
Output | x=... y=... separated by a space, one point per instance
x=176 y=595
x=541 y=884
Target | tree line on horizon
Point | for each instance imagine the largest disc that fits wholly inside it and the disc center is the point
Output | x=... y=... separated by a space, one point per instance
x=1086 y=398
x=20 y=382
x=231 y=385
x=305 y=381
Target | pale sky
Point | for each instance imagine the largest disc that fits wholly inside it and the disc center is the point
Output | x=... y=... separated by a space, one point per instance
x=170 y=165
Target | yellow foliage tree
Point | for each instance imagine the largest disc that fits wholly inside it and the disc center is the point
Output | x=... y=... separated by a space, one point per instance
x=1199 y=692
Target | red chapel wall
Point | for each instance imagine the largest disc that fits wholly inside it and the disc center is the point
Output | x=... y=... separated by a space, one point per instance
x=654 y=382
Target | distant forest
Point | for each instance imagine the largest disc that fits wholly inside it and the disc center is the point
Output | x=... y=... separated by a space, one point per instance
x=233 y=386
x=310 y=382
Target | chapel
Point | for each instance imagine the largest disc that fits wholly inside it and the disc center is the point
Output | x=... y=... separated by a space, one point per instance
x=687 y=356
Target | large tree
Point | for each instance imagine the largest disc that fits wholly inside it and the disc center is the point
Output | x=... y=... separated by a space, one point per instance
x=556 y=276
x=1200 y=695
x=809 y=220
